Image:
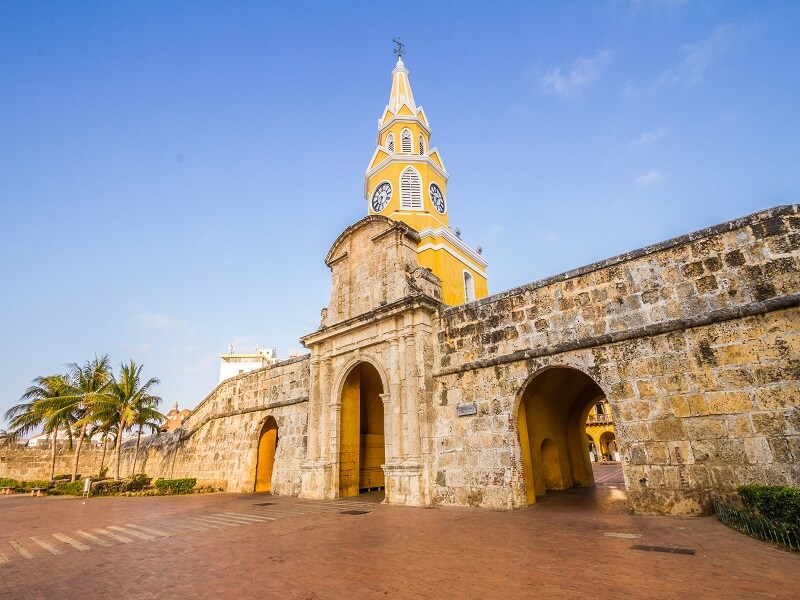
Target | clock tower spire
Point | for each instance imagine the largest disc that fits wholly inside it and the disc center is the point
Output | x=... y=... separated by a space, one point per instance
x=406 y=180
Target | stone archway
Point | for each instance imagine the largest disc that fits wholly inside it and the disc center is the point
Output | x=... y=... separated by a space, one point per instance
x=362 y=444
x=608 y=446
x=267 y=445
x=552 y=416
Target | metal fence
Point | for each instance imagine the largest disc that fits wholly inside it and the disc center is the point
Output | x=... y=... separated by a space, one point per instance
x=783 y=534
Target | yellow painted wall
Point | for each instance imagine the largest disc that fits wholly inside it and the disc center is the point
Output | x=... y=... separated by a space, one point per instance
x=552 y=421
x=450 y=270
x=418 y=219
x=267 y=444
x=350 y=437
x=362 y=446
x=372 y=450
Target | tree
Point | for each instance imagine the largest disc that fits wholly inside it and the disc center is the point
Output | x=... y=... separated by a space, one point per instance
x=88 y=392
x=107 y=428
x=44 y=404
x=147 y=416
x=133 y=402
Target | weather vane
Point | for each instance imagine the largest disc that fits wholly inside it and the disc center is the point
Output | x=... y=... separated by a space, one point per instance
x=400 y=50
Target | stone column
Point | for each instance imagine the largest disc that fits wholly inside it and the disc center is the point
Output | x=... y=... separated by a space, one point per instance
x=388 y=425
x=325 y=401
x=411 y=409
x=314 y=406
x=397 y=369
x=333 y=459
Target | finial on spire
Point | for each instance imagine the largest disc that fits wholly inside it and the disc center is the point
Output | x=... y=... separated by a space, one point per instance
x=400 y=50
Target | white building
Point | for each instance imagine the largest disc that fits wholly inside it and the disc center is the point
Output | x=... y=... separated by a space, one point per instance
x=44 y=440
x=233 y=364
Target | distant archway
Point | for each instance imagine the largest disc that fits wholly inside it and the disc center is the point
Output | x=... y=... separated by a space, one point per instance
x=594 y=454
x=362 y=444
x=267 y=444
x=608 y=446
x=552 y=416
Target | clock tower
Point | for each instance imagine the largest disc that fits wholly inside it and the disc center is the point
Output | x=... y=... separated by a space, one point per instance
x=406 y=181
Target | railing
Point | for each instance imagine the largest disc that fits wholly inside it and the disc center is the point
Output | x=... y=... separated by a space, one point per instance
x=783 y=534
x=599 y=419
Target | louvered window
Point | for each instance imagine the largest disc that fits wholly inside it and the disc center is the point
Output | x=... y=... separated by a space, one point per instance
x=405 y=141
x=410 y=190
x=421 y=144
x=390 y=142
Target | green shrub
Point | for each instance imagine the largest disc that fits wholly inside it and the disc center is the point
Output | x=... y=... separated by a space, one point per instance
x=176 y=486
x=25 y=486
x=110 y=487
x=7 y=482
x=137 y=483
x=66 y=476
x=777 y=503
x=73 y=488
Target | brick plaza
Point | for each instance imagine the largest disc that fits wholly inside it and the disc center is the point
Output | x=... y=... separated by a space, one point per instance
x=256 y=546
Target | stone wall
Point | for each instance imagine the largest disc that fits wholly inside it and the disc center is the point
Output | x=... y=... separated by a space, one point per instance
x=26 y=464
x=694 y=342
x=218 y=442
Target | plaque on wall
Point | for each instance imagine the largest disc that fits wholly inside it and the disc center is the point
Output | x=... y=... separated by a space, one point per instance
x=463 y=410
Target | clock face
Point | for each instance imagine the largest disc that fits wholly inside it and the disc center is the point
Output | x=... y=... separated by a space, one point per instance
x=381 y=197
x=437 y=197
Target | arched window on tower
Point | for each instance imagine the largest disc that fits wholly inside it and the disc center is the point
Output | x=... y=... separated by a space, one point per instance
x=469 y=287
x=410 y=190
x=405 y=141
x=421 y=144
x=390 y=142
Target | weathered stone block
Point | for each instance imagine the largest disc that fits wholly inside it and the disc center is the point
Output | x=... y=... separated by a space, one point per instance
x=667 y=429
x=770 y=423
x=720 y=403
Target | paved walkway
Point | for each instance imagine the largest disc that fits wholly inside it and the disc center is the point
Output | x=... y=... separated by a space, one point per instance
x=575 y=543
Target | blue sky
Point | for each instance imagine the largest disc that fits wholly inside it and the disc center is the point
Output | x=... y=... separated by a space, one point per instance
x=172 y=174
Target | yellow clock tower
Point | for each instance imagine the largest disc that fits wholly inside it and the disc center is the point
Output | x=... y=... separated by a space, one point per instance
x=406 y=181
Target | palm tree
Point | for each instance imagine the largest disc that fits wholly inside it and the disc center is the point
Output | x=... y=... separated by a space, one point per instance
x=43 y=405
x=147 y=416
x=106 y=427
x=88 y=391
x=133 y=401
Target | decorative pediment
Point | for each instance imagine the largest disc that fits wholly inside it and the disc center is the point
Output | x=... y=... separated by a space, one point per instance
x=374 y=263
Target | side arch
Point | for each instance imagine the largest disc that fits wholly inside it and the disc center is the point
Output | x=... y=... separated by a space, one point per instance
x=552 y=407
x=265 y=457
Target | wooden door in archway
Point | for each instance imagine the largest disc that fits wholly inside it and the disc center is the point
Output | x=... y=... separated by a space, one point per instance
x=267 y=443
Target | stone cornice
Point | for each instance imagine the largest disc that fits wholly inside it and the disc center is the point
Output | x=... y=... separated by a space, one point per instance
x=418 y=301
x=185 y=435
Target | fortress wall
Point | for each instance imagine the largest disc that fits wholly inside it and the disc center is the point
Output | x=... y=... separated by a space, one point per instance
x=695 y=341
x=26 y=464
x=218 y=442
x=749 y=265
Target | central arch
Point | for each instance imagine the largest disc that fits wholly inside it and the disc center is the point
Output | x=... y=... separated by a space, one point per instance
x=362 y=444
x=551 y=419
